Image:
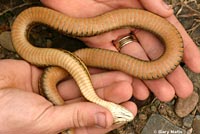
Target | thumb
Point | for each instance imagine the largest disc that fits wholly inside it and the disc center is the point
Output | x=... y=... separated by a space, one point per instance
x=59 y=118
x=158 y=7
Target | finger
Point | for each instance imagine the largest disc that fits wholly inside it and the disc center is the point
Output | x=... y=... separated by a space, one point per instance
x=191 y=51
x=178 y=79
x=150 y=43
x=153 y=48
x=134 y=49
x=140 y=90
x=95 y=70
x=161 y=88
x=181 y=83
x=75 y=115
x=94 y=130
x=108 y=83
x=158 y=7
x=122 y=90
x=130 y=106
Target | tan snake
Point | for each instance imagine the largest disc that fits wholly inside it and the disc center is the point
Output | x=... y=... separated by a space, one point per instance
x=74 y=64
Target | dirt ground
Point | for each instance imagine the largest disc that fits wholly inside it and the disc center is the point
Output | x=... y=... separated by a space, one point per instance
x=188 y=13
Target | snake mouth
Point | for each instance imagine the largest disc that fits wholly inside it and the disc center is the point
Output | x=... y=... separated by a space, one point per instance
x=123 y=118
x=121 y=115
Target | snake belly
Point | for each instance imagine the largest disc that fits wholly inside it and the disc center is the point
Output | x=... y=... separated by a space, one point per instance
x=86 y=27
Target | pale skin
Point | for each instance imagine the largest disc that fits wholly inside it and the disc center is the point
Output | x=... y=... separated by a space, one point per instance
x=24 y=111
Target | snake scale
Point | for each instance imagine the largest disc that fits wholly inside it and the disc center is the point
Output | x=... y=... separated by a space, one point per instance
x=75 y=63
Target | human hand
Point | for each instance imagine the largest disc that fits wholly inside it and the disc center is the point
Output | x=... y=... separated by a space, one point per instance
x=147 y=48
x=24 y=111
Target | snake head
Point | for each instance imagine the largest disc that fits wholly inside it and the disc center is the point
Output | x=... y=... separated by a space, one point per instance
x=120 y=114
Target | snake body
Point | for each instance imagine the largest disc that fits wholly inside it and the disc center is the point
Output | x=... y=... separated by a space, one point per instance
x=85 y=27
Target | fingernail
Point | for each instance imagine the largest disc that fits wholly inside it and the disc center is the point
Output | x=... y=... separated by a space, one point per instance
x=101 y=120
x=166 y=6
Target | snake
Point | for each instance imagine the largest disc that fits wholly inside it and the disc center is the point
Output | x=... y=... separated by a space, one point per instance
x=76 y=63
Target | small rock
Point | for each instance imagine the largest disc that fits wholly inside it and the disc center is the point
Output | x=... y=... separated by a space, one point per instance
x=163 y=109
x=153 y=108
x=186 y=106
x=157 y=124
x=187 y=121
x=6 y=42
x=142 y=116
x=196 y=125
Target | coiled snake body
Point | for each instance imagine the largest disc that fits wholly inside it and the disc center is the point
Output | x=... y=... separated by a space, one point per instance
x=79 y=27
